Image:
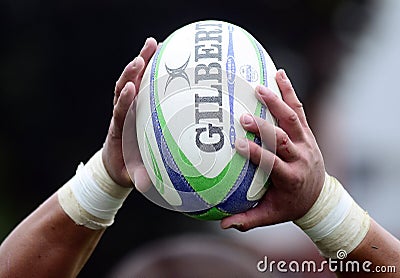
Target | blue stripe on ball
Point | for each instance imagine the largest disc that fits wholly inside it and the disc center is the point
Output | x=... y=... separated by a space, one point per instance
x=237 y=202
x=190 y=201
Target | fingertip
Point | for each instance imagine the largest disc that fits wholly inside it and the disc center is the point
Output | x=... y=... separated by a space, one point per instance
x=241 y=144
x=149 y=47
x=282 y=75
x=151 y=41
x=139 y=64
x=224 y=224
x=284 y=83
x=260 y=89
x=146 y=42
x=141 y=180
x=126 y=97
x=141 y=188
x=264 y=93
x=129 y=86
x=232 y=222
x=236 y=226
x=246 y=119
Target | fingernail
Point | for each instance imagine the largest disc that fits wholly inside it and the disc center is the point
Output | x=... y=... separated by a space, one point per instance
x=145 y=44
x=247 y=119
x=241 y=143
x=265 y=92
x=261 y=90
x=283 y=75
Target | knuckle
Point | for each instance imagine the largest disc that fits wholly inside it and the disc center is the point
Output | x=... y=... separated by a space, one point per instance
x=299 y=105
x=112 y=133
x=117 y=115
x=300 y=109
x=297 y=180
x=293 y=117
x=283 y=140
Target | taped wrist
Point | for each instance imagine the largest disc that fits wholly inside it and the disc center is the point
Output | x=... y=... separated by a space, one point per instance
x=91 y=198
x=335 y=221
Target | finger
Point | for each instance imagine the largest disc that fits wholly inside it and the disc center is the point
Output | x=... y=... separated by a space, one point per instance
x=150 y=46
x=285 y=148
x=273 y=137
x=245 y=221
x=129 y=74
x=262 y=215
x=127 y=95
x=287 y=118
x=141 y=179
x=242 y=221
x=289 y=96
x=131 y=154
x=265 y=159
x=148 y=50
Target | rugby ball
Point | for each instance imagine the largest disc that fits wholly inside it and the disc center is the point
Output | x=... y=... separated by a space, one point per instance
x=193 y=92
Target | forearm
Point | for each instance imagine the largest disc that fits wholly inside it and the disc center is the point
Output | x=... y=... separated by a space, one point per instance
x=47 y=244
x=57 y=239
x=380 y=248
x=342 y=230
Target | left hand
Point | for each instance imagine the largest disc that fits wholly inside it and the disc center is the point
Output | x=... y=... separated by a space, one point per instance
x=125 y=92
x=298 y=170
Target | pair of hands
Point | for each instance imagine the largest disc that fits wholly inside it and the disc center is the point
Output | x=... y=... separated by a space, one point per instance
x=298 y=169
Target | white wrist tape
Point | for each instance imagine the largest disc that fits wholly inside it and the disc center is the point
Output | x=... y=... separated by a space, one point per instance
x=335 y=221
x=91 y=198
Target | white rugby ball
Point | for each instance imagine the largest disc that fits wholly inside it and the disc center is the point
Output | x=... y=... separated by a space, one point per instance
x=193 y=92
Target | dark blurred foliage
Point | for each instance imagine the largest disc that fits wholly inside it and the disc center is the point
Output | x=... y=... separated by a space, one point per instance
x=59 y=61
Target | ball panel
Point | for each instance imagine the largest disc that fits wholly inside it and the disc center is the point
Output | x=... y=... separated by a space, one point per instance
x=237 y=201
x=211 y=214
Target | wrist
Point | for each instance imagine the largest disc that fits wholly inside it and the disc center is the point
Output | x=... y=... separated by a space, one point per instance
x=335 y=221
x=91 y=198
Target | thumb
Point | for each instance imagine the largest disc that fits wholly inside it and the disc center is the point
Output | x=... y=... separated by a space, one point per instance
x=261 y=215
x=141 y=179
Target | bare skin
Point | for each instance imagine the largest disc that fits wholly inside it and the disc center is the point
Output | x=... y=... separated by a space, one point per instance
x=48 y=243
x=379 y=247
x=298 y=169
x=297 y=176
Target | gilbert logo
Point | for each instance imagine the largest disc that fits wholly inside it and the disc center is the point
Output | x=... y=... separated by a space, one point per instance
x=177 y=73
